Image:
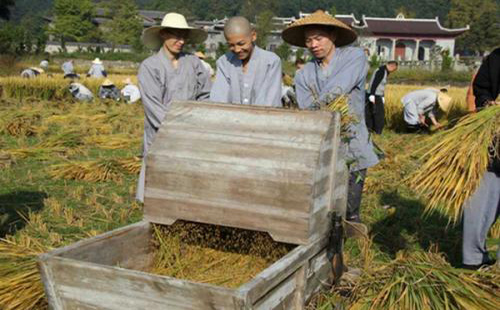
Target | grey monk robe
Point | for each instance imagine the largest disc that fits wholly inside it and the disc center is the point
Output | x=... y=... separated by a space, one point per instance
x=160 y=83
x=345 y=74
x=260 y=85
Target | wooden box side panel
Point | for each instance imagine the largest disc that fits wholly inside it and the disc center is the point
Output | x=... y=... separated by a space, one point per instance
x=318 y=274
x=330 y=186
x=81 y=285
x=243 y=167
x=129 y=247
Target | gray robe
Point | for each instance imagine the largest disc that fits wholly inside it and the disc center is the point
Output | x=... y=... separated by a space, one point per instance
x=160 y=83
x=68 y=68
x=419 y=102
x=260 y=85
x=97 y=71
x=346 y=74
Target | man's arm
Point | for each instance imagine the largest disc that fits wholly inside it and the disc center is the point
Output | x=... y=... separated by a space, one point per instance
x=221 y=87
x=152 y=97
x=203 y=81
x=379 y=76
x=272 y=90
x=305 y=93
x=482 y=85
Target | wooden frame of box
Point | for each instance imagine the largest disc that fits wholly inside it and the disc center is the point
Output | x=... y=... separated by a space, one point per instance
x=256 y=168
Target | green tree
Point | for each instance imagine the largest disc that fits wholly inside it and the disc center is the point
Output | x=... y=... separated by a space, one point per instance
x=221 y=50
x=283 y=51
x=252 y=9
x=125 y=26
x=482 y=17
x=332 y=10
x=299 y=53
x=72 y=20
x=264 y=26
x=5 y=6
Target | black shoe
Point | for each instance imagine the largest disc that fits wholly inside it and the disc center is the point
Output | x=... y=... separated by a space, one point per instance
x=487 y=263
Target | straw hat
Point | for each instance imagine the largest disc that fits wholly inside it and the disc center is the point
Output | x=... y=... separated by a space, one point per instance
x=97 y=61
x=151 y=36
x=295 y=33
x=39 y=70
x=444 y=101
x=107 y=82
x=200 y=55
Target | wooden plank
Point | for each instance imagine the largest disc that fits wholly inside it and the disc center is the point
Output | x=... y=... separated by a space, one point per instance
x=128 y=246
x=300 y=298
x=103 y=287
x=279 y=271
x=281 y=297
x=318 y=275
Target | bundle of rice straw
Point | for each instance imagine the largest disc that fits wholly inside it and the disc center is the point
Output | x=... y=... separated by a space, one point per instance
x=424 y=280
x=457 y=161
x=96 y=170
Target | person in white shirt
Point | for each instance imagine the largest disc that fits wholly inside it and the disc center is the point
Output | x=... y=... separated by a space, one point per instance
x=130 y=93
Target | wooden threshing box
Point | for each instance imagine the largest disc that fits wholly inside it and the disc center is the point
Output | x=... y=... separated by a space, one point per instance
x=256 y=168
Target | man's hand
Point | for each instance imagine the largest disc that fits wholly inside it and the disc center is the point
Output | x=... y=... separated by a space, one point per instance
x=436 y=123
x=371 y=99
x=421 y=120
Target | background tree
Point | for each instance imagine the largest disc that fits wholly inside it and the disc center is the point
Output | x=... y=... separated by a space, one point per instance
x=264 y=25
x=221 y=50
x=72 y=20
x=5 y=6
x=283 y=51
x=482 y=16
x=252 y=9
x=125 y=26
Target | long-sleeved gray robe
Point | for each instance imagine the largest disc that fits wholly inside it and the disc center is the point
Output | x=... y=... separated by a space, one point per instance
x=68 y=68
x=260 y=85
x=160 y=83
x=419 y=102
x=97 y=71
x=345 y=74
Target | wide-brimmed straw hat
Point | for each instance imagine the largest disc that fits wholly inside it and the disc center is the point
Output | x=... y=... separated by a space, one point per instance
x=200 y=55
x=97 y=61
x=151 y=36
x=295 y=33
x=37 y=69
x=107 y=82
x=444 y=101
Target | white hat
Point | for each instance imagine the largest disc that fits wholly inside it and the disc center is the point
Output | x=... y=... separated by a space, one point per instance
x=444 y=101
x=151 y=36
x=97 y=61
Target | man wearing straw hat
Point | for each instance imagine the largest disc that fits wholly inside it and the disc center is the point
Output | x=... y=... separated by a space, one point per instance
x=108 y=90
x=247 y=74
x=97 y=69
x=32 y=72
x=421 y=104
x=336 y=69
x=169 y=75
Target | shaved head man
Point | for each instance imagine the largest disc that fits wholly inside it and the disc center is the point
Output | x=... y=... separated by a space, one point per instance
x=247 y=74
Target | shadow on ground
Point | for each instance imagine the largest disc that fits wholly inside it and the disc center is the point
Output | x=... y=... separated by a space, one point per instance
x=408 y=225
x=14 y=206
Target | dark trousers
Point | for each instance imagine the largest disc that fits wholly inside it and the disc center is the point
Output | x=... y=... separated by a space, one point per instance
x=355 y=191
x=375 y=115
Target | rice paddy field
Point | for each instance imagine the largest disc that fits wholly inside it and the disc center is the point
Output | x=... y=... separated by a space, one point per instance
x=68 y=171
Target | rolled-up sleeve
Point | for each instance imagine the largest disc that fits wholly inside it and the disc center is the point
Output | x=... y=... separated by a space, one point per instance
x=221 y=87
x=152 y=97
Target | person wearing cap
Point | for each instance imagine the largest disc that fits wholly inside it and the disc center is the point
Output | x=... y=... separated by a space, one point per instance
x=168 y=75
x=31 y=72
x=80 y=92
x=206 y=65
x=483 y=207
x=69 y=70
x=422 y=104
x=247 y=74
x=97 y=69
x=375 y=114
x=336 y=69
x=130 y=93
x=108 y=90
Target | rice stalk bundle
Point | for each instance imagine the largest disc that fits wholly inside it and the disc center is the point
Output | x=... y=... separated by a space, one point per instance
x=424 y=280
x=340 y=104
x=37 y=152
x=91 y=171
x=20 y=284
x=457 y=160
x=22 y=126
x=112 y=142
x=213 y=254
x=131 y=165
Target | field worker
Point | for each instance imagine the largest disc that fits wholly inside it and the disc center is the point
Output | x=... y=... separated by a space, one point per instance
x=299 y=64
x=168 y=75
x=80 y=92
x=206 y=65
x=374 y=110
x=422 y=104
x=247 y=74
x=69 y=70
x=32 y=72
x=336 y=68
x=130 y=93
x=97 y=69
x=108 y=90
x=44 y=64
x=483 y=208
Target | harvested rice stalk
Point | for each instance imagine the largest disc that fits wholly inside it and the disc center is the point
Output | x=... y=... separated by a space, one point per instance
x=457 y=161
x=37 y=152
x=22 y=126
x=131 y=165
x=20 y=284
x=213 y=254
x=96 y=171
x=424 y=280
x=112 y=142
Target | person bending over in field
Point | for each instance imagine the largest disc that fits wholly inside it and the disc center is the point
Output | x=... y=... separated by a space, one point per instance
x=97 y=70
x=247 y=74
x=69 y=70
x=338 y=69
x=108 y=90
x=130 y=93
x=168 y=75
x=421 y=104
x=482 y=209
x=31 y=72
x=80 y=92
